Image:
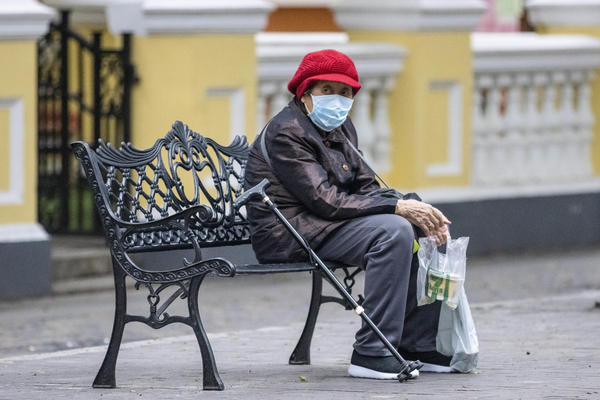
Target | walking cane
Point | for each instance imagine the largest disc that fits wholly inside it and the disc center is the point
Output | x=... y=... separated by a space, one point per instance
x=409 y=369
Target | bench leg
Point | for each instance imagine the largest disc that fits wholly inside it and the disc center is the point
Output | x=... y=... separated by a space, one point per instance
x=106 y=375
x=301 y=354
x=211 y=378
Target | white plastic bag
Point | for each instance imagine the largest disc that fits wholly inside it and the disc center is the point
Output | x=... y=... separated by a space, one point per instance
x=457 y=337
x=441 y=276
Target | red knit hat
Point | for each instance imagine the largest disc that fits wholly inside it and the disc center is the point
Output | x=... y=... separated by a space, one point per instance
x=324 y=65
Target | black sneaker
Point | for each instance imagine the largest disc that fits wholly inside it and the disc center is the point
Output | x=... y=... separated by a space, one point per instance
x=432 y=360
x=386 y=367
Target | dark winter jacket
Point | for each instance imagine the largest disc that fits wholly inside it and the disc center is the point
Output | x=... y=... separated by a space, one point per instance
x=317 y=181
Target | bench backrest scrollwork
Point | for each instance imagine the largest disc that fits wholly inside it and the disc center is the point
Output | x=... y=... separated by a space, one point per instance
x=181 y=171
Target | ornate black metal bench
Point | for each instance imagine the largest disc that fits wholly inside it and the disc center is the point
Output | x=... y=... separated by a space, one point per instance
x=180 y=194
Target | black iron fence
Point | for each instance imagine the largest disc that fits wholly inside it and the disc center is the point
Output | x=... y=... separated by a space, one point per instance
x=84 y=93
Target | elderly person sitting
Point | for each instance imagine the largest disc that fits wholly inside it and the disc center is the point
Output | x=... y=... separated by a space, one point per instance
x=328 y=194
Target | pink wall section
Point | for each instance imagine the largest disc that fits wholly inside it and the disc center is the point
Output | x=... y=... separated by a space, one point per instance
x=490 y=22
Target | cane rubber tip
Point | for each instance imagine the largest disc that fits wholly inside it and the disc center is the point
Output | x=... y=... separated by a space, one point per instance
x=405 y=375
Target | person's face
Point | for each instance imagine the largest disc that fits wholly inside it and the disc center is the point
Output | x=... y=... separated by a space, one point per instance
x=322 y=88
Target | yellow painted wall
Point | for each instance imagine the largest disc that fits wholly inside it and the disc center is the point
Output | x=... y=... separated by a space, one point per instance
x=418 y=114
x=175 y=74
x=18 y=79
x=591 y=31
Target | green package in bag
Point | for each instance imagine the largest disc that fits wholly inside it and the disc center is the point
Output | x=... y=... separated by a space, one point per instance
x=441 y=276
x=437 y=285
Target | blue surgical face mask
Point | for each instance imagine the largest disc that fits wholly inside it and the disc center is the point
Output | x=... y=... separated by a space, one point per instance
x=330 y=111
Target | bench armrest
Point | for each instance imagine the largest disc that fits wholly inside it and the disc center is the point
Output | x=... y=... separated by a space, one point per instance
x=180 y=221
x=184 y=221
x=204 y=213
x=217 y=265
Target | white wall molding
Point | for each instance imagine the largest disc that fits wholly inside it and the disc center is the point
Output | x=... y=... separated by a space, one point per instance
x=564 y=12
x=173 y=16
x=453 y=165
x=237 y=107
x=471 y=193
x=409 y=15
x=14 y=233
x=126 y=17
x=530 y=51
x=304 y=3
x=23 y=19
x=209 y=16
x=16 y=137
x=278 y=59
x=87 y=12
x=300 y=38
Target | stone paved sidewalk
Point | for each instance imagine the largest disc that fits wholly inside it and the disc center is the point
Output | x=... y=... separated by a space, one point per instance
x=82 y=315
x=530 y=349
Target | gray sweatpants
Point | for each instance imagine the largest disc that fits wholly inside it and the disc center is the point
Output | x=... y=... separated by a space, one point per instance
x=383 y=245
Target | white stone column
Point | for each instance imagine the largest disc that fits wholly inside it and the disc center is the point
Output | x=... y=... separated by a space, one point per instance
x=280 y=98
x=262 y=106
x=361 y=117
x=531 y=123
x=383 y=132
x=539 y=143
x=515 y=149
x=586 y=121
x=498 y=125
x=479 y=132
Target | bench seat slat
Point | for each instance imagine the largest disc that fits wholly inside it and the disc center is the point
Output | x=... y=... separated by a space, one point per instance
x=246 y=269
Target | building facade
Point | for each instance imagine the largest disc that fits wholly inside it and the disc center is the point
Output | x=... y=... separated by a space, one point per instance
x=499 y=130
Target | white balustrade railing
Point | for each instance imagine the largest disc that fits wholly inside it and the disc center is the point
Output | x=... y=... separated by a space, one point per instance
x=532 y=117
x=378 y=64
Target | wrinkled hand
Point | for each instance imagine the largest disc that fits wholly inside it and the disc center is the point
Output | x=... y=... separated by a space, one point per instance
x=441 y=235
x=425 y=216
